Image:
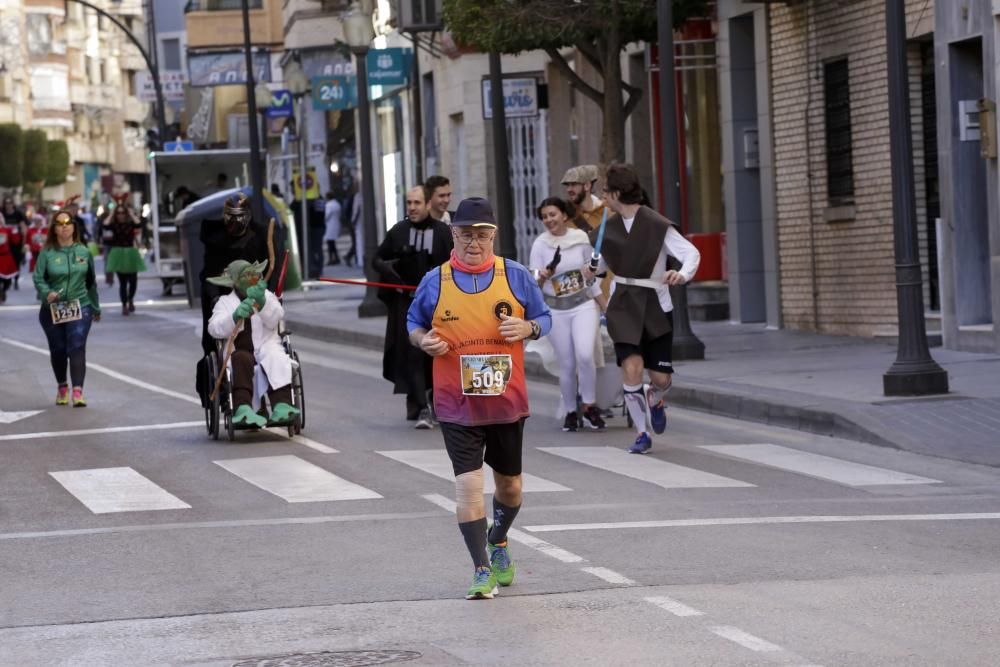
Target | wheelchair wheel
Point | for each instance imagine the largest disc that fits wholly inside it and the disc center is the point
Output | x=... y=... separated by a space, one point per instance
x=298 y=396
x=230 y=429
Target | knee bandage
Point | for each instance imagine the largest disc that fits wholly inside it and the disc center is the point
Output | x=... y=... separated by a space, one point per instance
x=638 y=409
x=469 y=488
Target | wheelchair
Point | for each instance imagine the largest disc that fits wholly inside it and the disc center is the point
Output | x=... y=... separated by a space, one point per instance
x=219 y=412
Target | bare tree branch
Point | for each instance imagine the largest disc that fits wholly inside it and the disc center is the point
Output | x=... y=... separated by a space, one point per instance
x=574 y=78
x=634 y=97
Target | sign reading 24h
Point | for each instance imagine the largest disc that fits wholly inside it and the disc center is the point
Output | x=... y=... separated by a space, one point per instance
x=388 y=67
x=334 y=93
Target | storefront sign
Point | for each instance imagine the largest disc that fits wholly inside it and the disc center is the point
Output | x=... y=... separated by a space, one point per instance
x=388 y=67
x=281 y=104
x=325 y=62
x=334 y=93
x=226 y=68
x=520 y=98
x=171 y=81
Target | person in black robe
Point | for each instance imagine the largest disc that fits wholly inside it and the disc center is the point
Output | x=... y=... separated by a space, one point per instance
x=411 y=248
x=234 y=237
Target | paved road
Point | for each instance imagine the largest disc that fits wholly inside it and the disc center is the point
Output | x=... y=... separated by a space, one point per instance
x=139 y=541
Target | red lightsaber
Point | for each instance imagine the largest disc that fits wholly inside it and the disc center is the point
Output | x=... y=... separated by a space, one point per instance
x=366 y=283
x=279 y=289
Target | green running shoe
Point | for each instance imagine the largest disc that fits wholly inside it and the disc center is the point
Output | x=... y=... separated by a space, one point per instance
x=245 y=415
x=501 y=564
x=484 y=585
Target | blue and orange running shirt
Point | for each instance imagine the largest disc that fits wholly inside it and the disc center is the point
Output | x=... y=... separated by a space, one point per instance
x=480 y=380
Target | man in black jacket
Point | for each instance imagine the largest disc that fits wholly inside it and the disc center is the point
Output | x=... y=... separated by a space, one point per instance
x=412 y=247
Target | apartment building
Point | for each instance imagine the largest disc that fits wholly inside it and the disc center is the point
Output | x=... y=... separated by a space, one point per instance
x=68 y=71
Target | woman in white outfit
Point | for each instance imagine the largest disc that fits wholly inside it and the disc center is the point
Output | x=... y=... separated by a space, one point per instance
x=556 y=258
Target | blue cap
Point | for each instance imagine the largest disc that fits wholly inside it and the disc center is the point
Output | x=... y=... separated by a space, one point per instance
x=474 y=212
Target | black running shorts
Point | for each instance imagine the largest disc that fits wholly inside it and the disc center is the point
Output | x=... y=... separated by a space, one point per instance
x=656 y=353
x=498 y=444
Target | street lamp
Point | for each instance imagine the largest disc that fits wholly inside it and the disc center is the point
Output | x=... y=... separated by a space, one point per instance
x=298 y=85
x=256 y=163
x=358 y=32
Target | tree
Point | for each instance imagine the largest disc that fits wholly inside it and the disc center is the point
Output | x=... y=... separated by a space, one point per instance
x=58 y=162
x=598 y=29
x=12 y=163
x=36 y=152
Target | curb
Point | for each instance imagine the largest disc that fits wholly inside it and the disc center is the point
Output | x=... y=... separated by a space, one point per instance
x=779 y=408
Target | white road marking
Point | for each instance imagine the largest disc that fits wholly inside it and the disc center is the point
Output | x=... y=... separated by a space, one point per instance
x=817 y=465
x=609 y=576
x=11 y=417
x=763 y=520
x=437 y=463
x=114 y=374
x=302 y=440
x=235 y=523
x=644 y=468
x=295 y=480
x=148 y=303
x=515 y=535
x=98 y=431
x=106 y=490
x=745 y=639
x=673 y=606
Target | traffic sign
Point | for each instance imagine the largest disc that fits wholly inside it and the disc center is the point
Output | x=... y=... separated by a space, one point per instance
x=178 y=146
x=334 y=93
x=312 y=184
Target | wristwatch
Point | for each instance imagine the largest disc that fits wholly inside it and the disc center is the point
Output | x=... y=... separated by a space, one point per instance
x=536 y=330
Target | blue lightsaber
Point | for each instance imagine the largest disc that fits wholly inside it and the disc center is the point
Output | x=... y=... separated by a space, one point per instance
x=595 y=259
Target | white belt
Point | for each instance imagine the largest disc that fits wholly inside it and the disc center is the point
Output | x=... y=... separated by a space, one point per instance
x=638 y=282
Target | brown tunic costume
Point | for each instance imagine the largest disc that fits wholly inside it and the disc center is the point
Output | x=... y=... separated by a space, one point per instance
x=634 y=309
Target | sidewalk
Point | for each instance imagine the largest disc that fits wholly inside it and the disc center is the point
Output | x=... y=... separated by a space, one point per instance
x=829 y=385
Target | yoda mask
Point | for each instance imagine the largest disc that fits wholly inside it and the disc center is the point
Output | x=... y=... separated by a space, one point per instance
x=241 y=275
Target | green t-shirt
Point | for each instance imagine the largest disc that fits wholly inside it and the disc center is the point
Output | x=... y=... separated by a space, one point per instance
x=70 y=272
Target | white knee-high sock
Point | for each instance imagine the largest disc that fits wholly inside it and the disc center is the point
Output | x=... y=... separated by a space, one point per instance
x=657 y=393
x=635 y=401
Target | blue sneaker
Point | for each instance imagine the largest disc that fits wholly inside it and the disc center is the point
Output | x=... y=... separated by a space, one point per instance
x=658 y=416
x=641 y=445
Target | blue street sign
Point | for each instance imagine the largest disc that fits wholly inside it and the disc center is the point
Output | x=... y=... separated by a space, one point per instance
x=334 y=93
x=281 y=105
x=388 y=67
x=178 y=146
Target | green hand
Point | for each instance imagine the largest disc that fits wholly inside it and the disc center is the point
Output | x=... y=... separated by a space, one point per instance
x=243 y=311
x=256 y=292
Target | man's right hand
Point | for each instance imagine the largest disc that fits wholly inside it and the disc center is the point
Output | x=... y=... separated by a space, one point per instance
x=243 y=311
x=433 y=344
x=53 y=296
x=587 y=272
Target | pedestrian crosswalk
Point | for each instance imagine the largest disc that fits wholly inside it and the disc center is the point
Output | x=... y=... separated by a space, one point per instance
x=292 y=479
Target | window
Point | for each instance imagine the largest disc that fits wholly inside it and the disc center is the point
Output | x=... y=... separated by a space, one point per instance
x=220 y=5
x=839 y=167
x=171 y=54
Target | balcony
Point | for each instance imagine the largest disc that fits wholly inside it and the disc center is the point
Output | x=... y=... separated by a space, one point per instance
x=214 y=24
x=135 y=111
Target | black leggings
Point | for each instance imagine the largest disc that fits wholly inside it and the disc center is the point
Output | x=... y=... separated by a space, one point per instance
x=127 y=282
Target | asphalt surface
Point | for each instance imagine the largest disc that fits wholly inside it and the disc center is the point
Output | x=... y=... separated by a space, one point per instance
x=753 y=564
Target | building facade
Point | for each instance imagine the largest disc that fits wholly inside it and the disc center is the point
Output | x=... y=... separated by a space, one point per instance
x=807 y=167
x=70 y=72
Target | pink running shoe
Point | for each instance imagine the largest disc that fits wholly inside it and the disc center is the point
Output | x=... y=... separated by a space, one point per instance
x=78 y=400
x=62 y=395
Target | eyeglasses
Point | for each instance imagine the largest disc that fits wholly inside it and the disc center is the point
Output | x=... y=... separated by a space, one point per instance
x=63 y=222
x=482 y=238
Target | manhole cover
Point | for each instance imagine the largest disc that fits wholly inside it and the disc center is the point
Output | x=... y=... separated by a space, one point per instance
x=331 y=659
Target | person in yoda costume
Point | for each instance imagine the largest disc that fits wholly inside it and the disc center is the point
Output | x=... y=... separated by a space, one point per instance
x=256 y=312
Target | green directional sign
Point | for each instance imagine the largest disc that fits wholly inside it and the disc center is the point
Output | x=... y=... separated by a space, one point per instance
x=388 y=67
x=334 y=93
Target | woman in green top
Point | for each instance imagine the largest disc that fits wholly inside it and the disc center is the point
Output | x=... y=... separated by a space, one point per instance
x=67 y=287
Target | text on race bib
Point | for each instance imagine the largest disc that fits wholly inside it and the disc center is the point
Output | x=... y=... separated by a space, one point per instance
x=485 y=374
x=65 y=311
x=568 y=283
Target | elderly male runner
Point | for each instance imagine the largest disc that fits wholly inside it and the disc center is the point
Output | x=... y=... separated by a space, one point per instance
x=637 y=242
x=471 y=315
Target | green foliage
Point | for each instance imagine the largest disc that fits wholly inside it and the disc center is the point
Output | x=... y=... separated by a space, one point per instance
x=12 y=150
x=36 y=156
x=512 y=26
x=58 y=162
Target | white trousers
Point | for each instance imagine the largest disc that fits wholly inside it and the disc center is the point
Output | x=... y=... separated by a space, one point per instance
x=573 y=337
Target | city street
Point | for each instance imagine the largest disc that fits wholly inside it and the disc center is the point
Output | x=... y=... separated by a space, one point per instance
x=129 y=537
